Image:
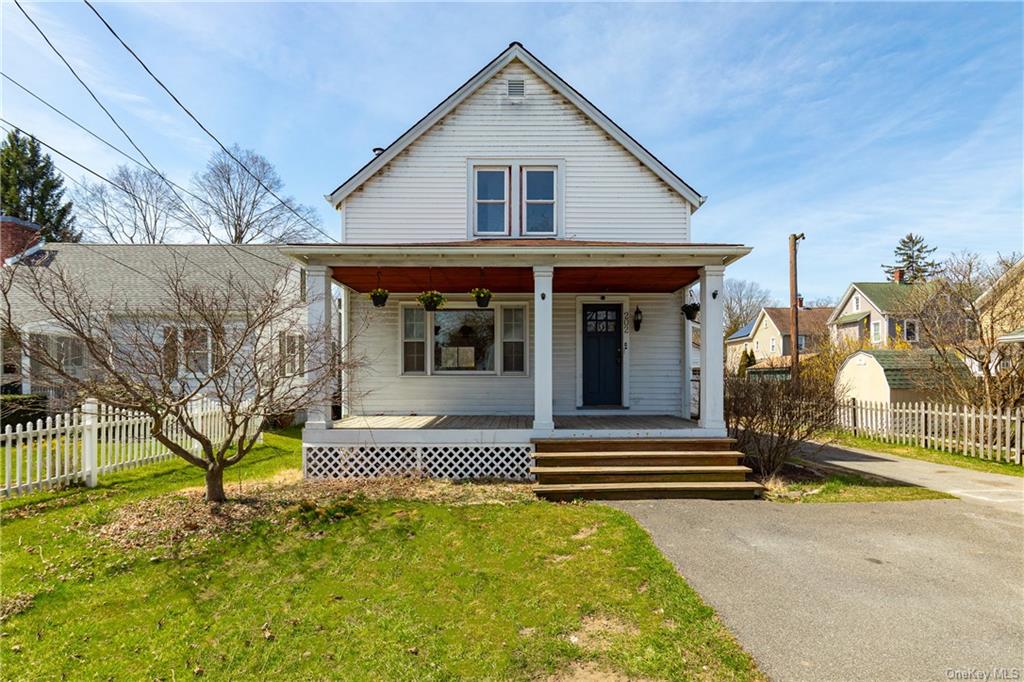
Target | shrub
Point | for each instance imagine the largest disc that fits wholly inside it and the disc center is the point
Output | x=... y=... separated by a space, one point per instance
x=771 y=419
x=21 y=409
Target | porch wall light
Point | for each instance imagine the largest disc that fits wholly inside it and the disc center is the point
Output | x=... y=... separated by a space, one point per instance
x=638 y=319
x=690 y=311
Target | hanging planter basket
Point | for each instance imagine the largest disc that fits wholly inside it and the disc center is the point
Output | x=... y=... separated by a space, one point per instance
x=431 y=300
x=379 y=297
x=481 y=296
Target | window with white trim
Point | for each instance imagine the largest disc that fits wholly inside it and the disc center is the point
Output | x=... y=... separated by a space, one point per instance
x=414 y=340
x=292 y=354
x=771 y=344
x=910 y=331
x=513 y=340
x=464 y=340
x=538 y=209
x=856 y=304
x=491 y=196
x=187 y=351
x=801 y=342
x=876 y=332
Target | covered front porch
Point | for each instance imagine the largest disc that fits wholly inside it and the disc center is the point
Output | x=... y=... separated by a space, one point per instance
x=580 y=340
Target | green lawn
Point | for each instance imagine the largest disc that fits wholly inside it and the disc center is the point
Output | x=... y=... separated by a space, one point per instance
x=928 y=455
x=851 y=488
x=349 y=587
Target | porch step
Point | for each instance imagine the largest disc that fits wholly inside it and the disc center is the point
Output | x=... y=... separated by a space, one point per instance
x=631 y=444
x=717 y=490
x=637 y=474
x=639 y=458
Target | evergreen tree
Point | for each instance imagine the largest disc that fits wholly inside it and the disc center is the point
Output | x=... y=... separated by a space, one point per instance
x=746 y=360
x=912 y=257
x=33 y=190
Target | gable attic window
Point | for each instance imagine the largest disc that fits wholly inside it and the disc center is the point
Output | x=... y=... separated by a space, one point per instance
x=538 y=201
x=856 y=304
x=517 y=88
x=515 y=198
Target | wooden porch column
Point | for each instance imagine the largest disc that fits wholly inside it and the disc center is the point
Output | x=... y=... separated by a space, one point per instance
x=543 y=393
x=687 y=364
x=712 y=360
x=319 y=312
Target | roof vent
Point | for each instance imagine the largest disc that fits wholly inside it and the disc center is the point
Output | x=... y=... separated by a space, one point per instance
x=377 y=151
x=517 y=89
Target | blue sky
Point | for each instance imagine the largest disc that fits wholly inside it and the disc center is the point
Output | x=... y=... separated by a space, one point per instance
x=853 y=123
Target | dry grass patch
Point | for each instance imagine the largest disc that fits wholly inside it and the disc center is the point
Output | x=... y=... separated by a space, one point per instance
x=168 y=521
x=15 y=604
x=591 y=672
x=598 y=632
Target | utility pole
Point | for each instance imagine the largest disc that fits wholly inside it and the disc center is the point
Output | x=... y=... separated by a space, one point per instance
x=794 y=319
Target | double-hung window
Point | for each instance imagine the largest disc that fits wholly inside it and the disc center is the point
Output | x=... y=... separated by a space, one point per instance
x=291 y=349
x=516 y=199
x=876 y=332
x=538 y=209
x=801 y=342
x=464 y=340
x=492 y=201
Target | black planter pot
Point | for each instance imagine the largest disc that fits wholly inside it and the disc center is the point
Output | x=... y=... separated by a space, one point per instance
x=483 y=301
x=430 y=306
x=379 y=300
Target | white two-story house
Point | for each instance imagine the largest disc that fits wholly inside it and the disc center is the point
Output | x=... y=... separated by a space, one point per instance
x=517 y=184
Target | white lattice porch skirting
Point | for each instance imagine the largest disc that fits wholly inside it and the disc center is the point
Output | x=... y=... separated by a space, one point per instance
x=509 y=461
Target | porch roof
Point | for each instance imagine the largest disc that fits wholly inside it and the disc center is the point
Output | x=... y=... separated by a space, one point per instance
x=505 y=265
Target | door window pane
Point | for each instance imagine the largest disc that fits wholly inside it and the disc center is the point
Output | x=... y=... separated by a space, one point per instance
x=464 y=340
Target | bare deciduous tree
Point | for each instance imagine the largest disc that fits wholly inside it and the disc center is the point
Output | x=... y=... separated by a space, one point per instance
x=240 y=208
x=237 y=341
x=141 y=212
x=743 y=300
x=964 y=327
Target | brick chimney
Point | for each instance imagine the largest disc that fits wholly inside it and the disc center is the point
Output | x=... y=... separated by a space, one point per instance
x=16 y=236
x=897 y=275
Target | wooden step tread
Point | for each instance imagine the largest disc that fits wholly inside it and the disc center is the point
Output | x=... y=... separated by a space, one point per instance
x=639 y=440
x=639 y=453
x=651 y=487
x=723 y=469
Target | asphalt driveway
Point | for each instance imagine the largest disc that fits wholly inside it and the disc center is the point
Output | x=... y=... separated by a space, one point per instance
x=930 y=590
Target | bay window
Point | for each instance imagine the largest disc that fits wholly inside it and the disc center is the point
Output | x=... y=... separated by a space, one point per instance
x=463 y=340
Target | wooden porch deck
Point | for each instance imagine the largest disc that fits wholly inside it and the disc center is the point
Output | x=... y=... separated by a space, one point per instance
x=522 y=422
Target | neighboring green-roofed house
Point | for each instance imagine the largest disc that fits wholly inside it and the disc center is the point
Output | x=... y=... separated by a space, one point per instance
x=874 y=313
x=891 y=376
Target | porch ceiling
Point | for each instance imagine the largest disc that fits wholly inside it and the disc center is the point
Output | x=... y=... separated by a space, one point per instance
x=513 y=280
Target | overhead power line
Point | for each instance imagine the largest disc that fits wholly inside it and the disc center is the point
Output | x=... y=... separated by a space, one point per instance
x=199 y=123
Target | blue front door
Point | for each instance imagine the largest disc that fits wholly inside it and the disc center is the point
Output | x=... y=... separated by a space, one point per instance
x=602 y=354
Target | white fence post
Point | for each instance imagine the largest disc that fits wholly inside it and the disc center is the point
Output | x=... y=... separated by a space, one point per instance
x=90 y=441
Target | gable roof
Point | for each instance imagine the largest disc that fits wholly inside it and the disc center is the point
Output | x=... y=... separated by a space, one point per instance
x=888 y=297
x=743 y=332
x=516 y=52
x=132 y=272
x=811 y=320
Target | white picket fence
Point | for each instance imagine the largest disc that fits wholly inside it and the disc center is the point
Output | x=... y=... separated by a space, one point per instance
x=961 y=429
x=93 y=440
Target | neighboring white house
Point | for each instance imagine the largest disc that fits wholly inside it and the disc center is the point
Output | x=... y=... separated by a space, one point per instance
x=129 y=277
x=518 y=184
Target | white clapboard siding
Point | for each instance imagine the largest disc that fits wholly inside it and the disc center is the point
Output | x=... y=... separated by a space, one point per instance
x=961 y=429
x=377 y=387
x=421 y=194
x=59 y=450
